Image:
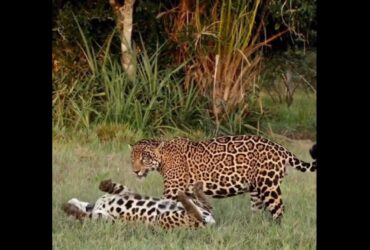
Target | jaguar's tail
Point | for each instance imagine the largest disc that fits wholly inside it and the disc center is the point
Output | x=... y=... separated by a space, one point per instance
x=302 y=165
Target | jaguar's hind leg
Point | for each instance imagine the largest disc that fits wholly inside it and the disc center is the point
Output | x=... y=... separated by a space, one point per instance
x=201 y=197
x=189 y=206
x=113 y=188
x=75 y=210
x=273 y=202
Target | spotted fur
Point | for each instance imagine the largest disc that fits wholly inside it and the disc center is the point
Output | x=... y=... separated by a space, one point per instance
x=120 y=203
x=227 y=166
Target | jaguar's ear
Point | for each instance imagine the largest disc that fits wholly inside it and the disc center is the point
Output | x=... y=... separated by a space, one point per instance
x=130 y=146
x=157 y=150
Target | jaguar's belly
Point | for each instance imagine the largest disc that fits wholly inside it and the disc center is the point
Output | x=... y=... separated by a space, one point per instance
x=222 y=188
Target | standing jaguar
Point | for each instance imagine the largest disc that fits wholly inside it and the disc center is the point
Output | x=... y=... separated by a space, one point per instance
x=121 y=203
x=226 y=166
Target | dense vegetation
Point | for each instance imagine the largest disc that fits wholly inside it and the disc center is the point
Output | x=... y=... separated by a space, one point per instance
x=179 y=84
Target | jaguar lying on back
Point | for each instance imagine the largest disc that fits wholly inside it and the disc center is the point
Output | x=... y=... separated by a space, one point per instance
x=227 y=166
x=120 y=203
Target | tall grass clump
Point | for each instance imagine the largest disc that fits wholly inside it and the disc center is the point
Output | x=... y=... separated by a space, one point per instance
x=222 y=40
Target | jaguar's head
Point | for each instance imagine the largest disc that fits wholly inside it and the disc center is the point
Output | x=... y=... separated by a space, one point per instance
x=145 y=157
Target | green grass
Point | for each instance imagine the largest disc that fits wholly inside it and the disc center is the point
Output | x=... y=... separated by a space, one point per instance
x=297 y=121
x=79 y=167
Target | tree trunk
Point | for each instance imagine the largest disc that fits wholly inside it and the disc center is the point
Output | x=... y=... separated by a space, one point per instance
x=124 y=20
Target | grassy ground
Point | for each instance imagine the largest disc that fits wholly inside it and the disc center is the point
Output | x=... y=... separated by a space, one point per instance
x=78 y=169
x=297 y=121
